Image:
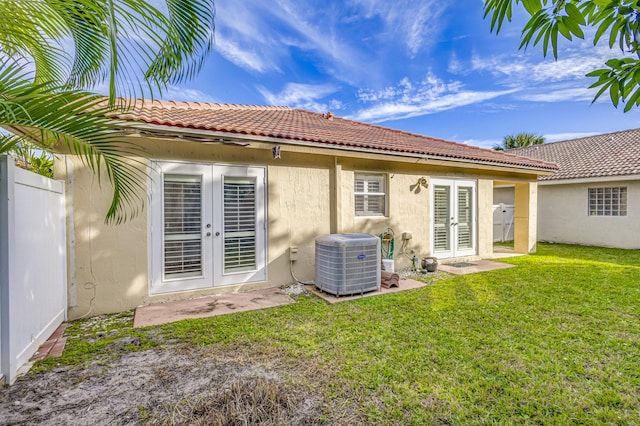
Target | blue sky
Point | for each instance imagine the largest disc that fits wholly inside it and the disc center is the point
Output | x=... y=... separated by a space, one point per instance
x=424 y=66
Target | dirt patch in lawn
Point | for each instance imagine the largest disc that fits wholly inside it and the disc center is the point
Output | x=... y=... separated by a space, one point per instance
x=171 y=386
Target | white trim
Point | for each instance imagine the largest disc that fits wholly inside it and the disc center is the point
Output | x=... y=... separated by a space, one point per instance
x=213 y=275
x=454 y=184
x=603 y=179
x=158 y=283
x=385 y=194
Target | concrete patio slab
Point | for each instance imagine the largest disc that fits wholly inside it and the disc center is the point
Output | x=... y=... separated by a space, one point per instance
x=405 y=284
x=204 y=307
x=502 y=252
x=472 y=267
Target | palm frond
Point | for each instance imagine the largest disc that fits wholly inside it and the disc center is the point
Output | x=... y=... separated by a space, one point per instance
x=8 y=142
x=79 y=121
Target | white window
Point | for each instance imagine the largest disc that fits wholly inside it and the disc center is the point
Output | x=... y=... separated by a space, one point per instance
x=609 y=201
x=370 y=194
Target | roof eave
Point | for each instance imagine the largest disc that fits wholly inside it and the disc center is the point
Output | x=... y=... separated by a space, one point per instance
x=222 y=137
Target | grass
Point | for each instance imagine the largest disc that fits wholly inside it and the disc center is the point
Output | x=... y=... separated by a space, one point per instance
x=555 y=340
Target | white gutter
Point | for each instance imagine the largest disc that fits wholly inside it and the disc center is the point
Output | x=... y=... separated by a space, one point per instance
x=595 y=179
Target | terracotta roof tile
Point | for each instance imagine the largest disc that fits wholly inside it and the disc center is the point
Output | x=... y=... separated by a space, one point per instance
x=324 y=130
x=610 y=154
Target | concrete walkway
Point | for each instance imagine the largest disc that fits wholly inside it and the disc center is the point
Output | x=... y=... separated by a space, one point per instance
x=204 y=307
x=462 y=268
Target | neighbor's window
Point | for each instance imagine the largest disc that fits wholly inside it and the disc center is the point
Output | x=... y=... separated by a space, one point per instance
x=370 y=194
x=608 y=201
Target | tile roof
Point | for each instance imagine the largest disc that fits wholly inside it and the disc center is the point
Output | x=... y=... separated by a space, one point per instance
x=610 y=154
x=324 y=130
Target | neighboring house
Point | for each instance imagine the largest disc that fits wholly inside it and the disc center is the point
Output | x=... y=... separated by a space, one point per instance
x=594 y=197
x=232 y=188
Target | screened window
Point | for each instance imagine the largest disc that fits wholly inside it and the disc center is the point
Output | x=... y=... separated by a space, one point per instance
x=370 y=194
x=610 y=201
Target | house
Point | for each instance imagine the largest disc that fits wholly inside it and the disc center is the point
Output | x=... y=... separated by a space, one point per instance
x=232 y=188
x=594 y=197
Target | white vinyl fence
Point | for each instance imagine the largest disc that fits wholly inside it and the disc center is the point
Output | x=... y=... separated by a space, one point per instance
x=503 y=222
x=33 y=273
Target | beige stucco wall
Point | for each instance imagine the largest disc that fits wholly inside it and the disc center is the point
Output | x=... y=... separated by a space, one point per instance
x=308 y=194
x=563 y=216
x=485 y=217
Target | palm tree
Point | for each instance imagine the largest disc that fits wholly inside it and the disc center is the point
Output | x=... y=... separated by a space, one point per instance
x=53 y=52
x=519 y=140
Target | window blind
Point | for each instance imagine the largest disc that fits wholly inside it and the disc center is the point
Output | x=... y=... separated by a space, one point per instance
x=239 y=224
x=441 y=215
x=465 y=218
x=182 y=208
x=370 y=194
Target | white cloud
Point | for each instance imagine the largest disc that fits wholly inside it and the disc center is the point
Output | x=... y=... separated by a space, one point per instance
x=241 y=56
x=243 y=36
x=541 y=79
x=184 y=94
x=429 y=96
x=416 y=23
x=305 y=96
x=559 y=95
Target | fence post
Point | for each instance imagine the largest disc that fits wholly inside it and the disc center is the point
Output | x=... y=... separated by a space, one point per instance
x=7 y=237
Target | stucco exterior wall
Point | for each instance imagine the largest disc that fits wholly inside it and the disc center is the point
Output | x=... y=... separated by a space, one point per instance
x=299 y=210
x=308 y=195
x=106 y=264
x=563 y=216
x=485 y=217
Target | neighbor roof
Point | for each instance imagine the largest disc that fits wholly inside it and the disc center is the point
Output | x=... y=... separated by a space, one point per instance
x=610 y=154
x=323 y=130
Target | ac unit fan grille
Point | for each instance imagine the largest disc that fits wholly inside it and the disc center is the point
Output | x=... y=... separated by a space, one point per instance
x=348 y=263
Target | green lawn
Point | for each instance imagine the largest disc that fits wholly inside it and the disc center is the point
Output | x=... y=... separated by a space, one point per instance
x=555 y=340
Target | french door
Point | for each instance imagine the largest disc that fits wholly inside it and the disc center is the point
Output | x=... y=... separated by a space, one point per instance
x=207 y=226
x=453 y=217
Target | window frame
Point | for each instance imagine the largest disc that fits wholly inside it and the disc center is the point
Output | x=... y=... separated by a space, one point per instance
x=365 y=177
x=607 y=201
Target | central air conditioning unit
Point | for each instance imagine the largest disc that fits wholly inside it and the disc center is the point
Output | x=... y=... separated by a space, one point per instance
x=347 y=263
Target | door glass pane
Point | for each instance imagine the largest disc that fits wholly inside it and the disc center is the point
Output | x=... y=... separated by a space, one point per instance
x=239 y=224
x=182 y=211
x=441 y=216
x=465 y=218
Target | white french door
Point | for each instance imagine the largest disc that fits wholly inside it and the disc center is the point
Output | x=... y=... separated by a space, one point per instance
x=207 y=226
x=453 y=217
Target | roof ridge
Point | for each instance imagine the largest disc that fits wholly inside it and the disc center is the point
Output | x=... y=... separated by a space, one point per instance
x=197 y=105
x=598 y=135
x=421 y=136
